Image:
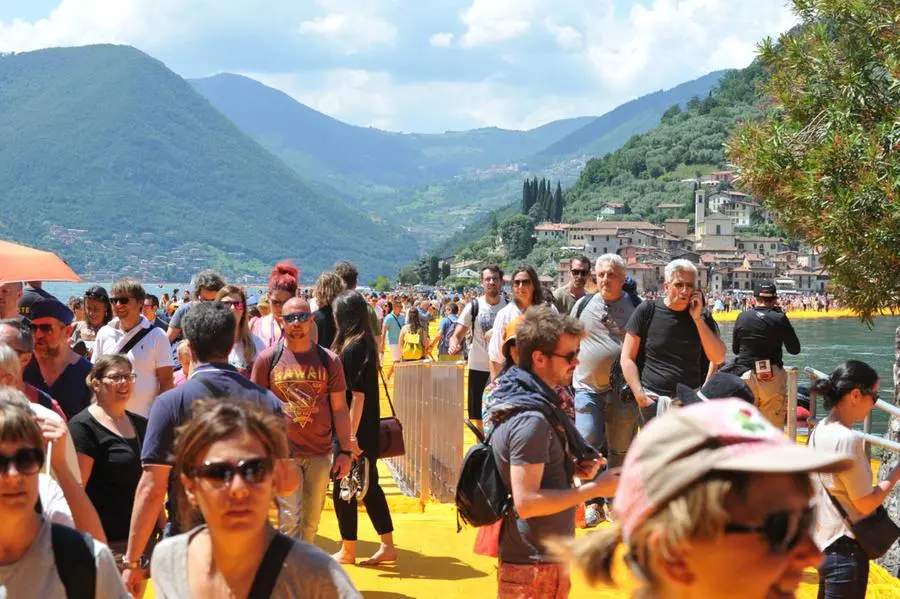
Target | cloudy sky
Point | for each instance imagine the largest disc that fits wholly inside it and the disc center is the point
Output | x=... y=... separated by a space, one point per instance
x=423 y=65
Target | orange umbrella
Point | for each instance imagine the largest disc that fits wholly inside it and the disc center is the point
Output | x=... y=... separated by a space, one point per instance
x=22 y=263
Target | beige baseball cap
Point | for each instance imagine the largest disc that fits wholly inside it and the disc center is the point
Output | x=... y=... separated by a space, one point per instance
x=683 y=445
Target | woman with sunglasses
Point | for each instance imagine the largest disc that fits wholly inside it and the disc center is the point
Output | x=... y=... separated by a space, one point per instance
x=224 y=459
x=527 y=292
x=33 y=558
x=712 y=501
x=246 y=344
x=108 y=442
x=97 y=313
x=282 y=287
x=849 y=394
x=355 y=343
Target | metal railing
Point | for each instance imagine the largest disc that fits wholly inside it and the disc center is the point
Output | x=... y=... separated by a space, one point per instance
x=866 y=434
x=428 y=397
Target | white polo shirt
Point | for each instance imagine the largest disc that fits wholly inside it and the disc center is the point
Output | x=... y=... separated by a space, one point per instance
x=150 y=353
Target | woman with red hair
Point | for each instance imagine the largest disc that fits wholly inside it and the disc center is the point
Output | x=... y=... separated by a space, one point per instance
x=282 y=287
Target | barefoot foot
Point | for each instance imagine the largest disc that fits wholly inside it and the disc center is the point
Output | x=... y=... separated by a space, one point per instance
x=344 y=557
x=384 y=556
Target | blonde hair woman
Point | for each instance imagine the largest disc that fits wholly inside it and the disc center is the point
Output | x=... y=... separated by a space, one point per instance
x=713 y=501
x=246 y=344
x=328 y=286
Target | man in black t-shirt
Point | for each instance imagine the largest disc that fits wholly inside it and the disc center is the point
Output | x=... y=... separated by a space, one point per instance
x=759 y=334
x=670 y=338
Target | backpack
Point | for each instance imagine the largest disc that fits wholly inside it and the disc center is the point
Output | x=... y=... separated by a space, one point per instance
x=73 y=552
x=481 y=495
x=412 y=346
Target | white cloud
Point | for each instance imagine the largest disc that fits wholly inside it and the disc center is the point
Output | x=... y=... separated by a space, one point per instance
x=441 y=40
x=567 y=37
x=351 y=32
x=493 y=21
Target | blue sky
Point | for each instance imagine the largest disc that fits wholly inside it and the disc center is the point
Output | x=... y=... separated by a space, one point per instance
x=422 y=65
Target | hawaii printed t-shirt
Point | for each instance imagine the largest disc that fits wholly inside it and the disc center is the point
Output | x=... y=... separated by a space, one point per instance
x=304 y=385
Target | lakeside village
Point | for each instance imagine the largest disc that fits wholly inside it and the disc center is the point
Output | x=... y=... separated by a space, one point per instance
x=726 y=259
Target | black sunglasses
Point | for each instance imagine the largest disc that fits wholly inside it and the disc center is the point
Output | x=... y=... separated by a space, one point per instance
x=296 y=317
x=44 y=327
x=522 y=282
x=782 y=530
x=27 y=461
x=119 y=300
x=580 y=272
x=569 y=357
x=253 y=471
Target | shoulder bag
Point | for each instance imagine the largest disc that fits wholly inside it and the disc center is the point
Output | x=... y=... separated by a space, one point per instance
x=390 y=431
x=875 y=533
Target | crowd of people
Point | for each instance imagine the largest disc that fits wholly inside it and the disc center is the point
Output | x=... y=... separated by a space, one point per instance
x=204 y=431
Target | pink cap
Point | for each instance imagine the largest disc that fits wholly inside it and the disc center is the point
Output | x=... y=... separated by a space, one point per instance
x=683 y=445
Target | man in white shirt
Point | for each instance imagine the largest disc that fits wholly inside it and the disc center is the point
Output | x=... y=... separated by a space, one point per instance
x=131 y=334
x=478 y=316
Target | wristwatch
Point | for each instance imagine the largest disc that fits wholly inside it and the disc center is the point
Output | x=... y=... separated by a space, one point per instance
x=138 y=564
x=345 y=452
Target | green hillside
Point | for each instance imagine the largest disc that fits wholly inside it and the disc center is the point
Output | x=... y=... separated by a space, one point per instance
x=614 y=128
x=644 y=172
x=107 y=141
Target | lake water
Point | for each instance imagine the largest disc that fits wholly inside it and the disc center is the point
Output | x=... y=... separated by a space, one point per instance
x=825 y=342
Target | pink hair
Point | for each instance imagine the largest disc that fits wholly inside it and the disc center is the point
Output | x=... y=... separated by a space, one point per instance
x=284 y=277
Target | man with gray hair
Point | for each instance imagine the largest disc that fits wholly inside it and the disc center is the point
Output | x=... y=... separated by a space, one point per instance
x=670 y=341
x=206 y=285
x=603 y=419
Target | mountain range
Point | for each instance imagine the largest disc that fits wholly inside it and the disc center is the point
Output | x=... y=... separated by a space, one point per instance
x=122 y=166
x=430 y=184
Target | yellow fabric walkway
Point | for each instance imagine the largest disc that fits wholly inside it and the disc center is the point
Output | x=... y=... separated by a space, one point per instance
x=437 y=562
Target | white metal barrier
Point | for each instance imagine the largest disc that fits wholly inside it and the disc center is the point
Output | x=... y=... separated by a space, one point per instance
x=428 y=397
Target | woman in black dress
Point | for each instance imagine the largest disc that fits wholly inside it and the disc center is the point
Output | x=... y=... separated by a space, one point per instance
x=357 y=348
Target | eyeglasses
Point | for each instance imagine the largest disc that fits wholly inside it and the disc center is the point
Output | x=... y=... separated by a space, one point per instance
x=295 y=317
x=121 y=378
x=580 y=272
x=44 y=327
x=234 y=305
x=569 y=357
x=120 y=300
x=782 y=530
x=522 y=283
x=220 y=474
x=27 y=460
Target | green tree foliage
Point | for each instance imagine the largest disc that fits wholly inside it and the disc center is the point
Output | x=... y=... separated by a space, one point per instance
x=540 y=202
x=434 y=269
x=824 y=158
x=445 y=270
x=517 y=233
x=382 y=283
x=409 y=275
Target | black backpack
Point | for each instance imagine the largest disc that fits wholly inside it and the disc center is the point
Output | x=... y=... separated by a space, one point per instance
x=73 y=552
x=481 y=495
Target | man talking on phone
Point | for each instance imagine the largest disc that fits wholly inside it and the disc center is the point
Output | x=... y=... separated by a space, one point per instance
x=666 y=342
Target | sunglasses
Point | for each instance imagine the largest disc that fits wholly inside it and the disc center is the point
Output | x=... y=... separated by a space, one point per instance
x=580 y=272
x=781 y=530
x=121 y=378
x=296 y=317
x=522 y=283
x=44 y=327
x=119 y=300
x=569 y=357
x=873 y=396
x=234 y=305
x=27 y=461
x=220 y=474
